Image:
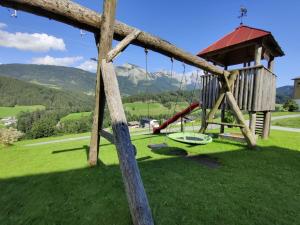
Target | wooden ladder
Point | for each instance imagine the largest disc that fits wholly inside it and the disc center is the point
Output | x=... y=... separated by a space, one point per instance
x=259 y=126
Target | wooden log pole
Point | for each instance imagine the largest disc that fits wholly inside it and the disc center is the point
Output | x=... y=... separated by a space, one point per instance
x=105 y=43
x=80 y=17
x=136 y=195
x=121 y=46
x=252 y=121
x=250 y=138
x=266 y=125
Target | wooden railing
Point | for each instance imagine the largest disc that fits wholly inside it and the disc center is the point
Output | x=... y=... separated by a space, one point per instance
x=254 y=89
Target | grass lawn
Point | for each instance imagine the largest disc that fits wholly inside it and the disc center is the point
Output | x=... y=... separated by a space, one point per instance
x=288 y=122
x=75 y=116
x=13 y=111
x=52 y=184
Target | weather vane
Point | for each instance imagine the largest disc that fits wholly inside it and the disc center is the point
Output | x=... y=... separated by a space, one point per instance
x=243 y=13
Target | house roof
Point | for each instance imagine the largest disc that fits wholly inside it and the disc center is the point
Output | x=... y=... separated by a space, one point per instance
x=296 y=78
x=241 y=36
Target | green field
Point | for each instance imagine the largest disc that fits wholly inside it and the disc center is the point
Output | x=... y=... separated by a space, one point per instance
x=155 y=108
x=13 y=111
x=288 y=122
x=52 y=184
x=75 y=116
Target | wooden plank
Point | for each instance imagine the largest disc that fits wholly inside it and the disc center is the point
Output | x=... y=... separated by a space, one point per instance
x=78 y=16
x=237 y=85
x=250 y=138
x=252 y=122
x=246 y=89
x=122 y=45
x=137 y=199
x=250 y=94
x=241 y=90
x=105 y=43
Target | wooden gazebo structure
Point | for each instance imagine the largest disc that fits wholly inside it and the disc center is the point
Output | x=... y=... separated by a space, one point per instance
x=255 y=86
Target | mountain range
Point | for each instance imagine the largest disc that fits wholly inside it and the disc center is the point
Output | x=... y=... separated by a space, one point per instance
x=132 y=79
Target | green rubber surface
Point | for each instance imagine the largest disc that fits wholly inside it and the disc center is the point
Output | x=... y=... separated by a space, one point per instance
x=191 y=138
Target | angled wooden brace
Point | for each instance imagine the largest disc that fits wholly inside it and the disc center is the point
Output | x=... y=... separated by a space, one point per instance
x=122 y=45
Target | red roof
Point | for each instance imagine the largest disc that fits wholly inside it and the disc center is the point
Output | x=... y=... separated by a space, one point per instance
x=239 y=35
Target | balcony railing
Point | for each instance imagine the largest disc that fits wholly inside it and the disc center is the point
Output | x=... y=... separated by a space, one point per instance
x=254 y=89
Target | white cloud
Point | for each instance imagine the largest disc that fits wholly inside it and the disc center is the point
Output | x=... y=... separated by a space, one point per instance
x=88 y=65
x=37 y=42
x=48 y=60
x=2 y=25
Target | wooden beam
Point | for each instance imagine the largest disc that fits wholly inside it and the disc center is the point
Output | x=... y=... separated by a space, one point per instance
x=121 y=46
x=226 y=124
x=138 y=202
x=250 y=138
x=78 y=16
x=108 y=136
x=105 y=43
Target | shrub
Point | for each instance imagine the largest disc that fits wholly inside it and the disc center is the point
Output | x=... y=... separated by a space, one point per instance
x=44 y=127
x=9 y=136
x=229 y=118
x=291 y=105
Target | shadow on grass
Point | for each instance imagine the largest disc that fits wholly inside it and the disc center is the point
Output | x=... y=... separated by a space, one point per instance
x=250 y=188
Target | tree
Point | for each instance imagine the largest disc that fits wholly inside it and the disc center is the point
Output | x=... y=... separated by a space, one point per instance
x=290 y=105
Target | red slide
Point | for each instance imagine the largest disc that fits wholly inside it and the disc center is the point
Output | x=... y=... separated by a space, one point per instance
x=176 y=117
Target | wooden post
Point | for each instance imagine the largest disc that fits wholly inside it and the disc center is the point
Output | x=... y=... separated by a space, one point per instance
x=250 y=138
x=266 y=126
x=223 y=109
x=181 y=124
x=105 y=43
x=257 y=55
x=267 y=114
x=222 y=128
x=271 y=63
x=252 y=121
x=137 y=199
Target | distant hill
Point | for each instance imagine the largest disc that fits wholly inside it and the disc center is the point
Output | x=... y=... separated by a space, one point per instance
x=284 y=93
x=132 y=79
x=15 y=92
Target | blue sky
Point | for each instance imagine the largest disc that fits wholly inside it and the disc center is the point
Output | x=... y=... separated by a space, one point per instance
x=191 y=25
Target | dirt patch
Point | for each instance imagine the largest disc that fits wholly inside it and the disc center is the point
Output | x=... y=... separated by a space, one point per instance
x=205 y=160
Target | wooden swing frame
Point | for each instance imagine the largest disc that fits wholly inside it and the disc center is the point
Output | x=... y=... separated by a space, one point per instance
x=106 y=29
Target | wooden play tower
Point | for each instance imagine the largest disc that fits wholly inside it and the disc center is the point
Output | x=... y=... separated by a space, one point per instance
x=255 y=86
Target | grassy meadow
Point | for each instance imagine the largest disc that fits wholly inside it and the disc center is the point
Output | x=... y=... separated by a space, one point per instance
x=52 y=183
x=13 y=111
x=288 y=122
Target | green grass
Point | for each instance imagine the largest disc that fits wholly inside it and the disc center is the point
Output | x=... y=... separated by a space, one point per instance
x=13 y=111
x=52 y=184
x=288 y=122
x=75 y=116
x=141 y=108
